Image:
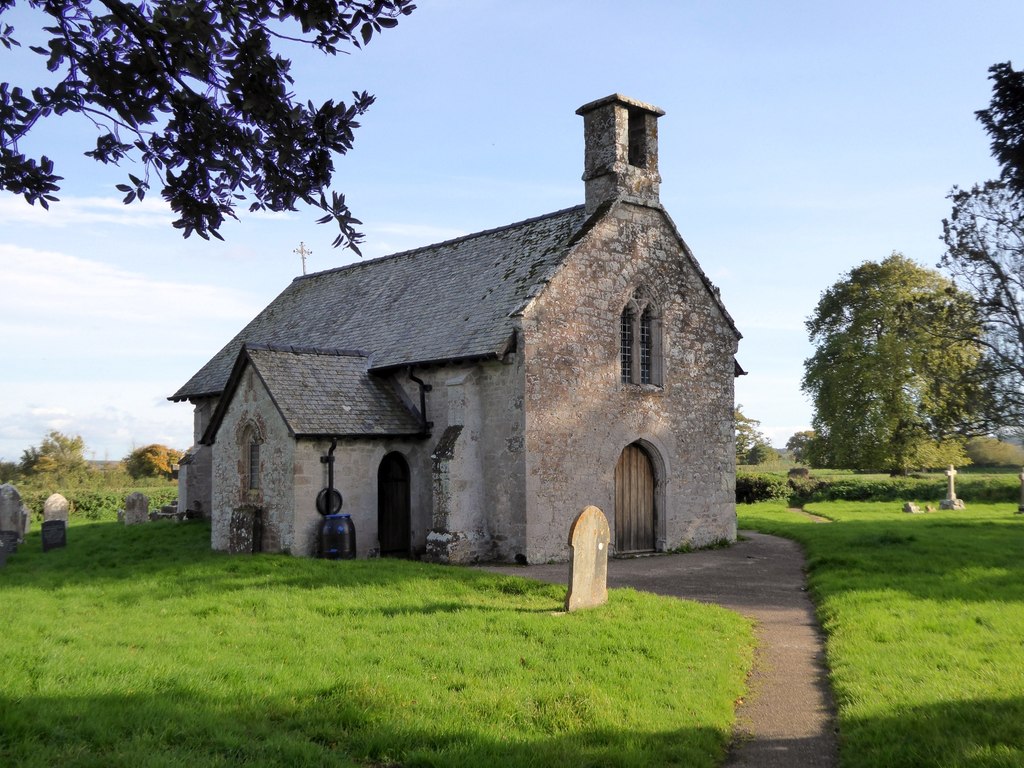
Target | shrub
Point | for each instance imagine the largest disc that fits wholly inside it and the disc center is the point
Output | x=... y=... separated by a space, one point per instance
x=99 y=505
x=751 y=488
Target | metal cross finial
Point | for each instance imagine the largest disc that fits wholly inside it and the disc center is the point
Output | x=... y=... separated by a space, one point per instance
x=303 y=252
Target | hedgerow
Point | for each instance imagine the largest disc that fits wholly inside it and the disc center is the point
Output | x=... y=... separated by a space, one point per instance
x=802 y=490
x=99 y=505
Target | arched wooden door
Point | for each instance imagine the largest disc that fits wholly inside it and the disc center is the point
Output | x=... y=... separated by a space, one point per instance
x=393 y=524
x=634 y=501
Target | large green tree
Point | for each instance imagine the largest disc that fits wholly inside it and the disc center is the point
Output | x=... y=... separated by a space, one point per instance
x=984 y=238
x=752 y=446
x=197 y=94
x=58 y=456
x=799 y=445
x=1004 y=122
x=896 y=378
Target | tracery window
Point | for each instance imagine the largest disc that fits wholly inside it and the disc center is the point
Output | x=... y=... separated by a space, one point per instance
x=640 y=342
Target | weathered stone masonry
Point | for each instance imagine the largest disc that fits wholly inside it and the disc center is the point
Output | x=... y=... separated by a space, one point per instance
x=512 y=374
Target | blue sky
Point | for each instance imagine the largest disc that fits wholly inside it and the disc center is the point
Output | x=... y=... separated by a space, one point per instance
x=800 y=139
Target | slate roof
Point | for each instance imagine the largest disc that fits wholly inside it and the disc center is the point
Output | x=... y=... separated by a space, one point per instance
x=451 y=301
x=322 y=392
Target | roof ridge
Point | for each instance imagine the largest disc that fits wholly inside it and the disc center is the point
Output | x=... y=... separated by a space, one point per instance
x=299 y=350
x=442 y=243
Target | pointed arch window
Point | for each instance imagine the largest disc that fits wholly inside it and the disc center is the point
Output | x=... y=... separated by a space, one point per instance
x=249 y=445
x=640 y=343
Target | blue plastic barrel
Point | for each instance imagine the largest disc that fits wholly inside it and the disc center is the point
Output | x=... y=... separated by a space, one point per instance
x=338 y=537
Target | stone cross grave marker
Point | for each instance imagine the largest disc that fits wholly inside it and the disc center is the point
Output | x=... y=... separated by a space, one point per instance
x=56 y=508
x=951 y=501
x=136 y=509
x=13 y=515
x=55 y=534
x=589 y=536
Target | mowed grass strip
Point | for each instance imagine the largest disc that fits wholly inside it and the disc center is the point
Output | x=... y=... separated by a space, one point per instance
x=925 y=622
x=139 y=646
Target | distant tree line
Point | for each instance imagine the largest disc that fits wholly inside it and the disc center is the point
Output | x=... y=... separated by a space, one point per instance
x=60 y=460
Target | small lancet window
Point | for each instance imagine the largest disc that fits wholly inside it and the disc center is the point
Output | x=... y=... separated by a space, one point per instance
x=626 y=344
x=645 y=347
x=254 y=465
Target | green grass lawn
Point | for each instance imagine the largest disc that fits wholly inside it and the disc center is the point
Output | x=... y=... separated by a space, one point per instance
x=140 y=647
x=925 y=622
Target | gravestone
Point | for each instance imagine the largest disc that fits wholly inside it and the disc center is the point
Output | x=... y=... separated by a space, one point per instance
x=911 y=508
x=13 y=514
x=136 y=509
x=55 y=534
x=10 y=541
x=3 y=553
x=951 y=501
x=55 y=508
x=589 y=536
x=244 y=530
x=1020 y=507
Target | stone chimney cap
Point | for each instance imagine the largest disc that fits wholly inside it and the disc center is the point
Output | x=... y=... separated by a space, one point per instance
x=624 y=100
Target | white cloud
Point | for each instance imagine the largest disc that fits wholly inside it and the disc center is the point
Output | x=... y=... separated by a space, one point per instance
x=79 y=211
x=53 y=292
x=94 y=349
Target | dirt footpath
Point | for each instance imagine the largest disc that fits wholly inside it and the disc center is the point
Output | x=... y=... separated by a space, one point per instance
x=788 y=718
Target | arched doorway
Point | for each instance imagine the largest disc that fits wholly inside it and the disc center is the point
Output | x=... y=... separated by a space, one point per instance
x=634 y=501
x=393 y=525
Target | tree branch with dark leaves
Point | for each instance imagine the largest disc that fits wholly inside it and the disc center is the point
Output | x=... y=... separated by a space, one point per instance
x=240 y=136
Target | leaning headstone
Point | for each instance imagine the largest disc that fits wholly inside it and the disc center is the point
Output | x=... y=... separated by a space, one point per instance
x=136 y=509
x=911 y=508
x=951 y=501
x=55 y=508
x=589 y=536
x=55 y=534
x=13 y=515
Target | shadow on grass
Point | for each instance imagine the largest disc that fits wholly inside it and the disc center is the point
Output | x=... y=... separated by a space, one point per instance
x=985 y=733
x=331 y=727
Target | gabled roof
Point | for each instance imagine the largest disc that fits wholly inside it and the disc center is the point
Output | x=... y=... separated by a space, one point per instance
x=451 y=301
x=321 y=393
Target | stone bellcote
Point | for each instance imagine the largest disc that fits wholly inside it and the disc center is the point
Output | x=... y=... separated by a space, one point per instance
x=621 y=151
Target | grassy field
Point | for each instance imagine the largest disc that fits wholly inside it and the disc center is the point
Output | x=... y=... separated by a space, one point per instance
x=139 y=647
x=925 y=622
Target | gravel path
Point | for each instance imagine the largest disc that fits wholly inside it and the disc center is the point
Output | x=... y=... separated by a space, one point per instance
x=788 y=718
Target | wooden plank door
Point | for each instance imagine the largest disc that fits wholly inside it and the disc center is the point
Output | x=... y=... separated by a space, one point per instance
x=634 y=501
x=393 y=523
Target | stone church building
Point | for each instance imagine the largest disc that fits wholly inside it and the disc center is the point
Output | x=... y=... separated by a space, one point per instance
x=476 y=394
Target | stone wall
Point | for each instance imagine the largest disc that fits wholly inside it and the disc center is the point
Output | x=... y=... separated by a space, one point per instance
x=475 y=466
x=580 y=415
x=253 y=413
x=484 y=399
x=197 y=492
